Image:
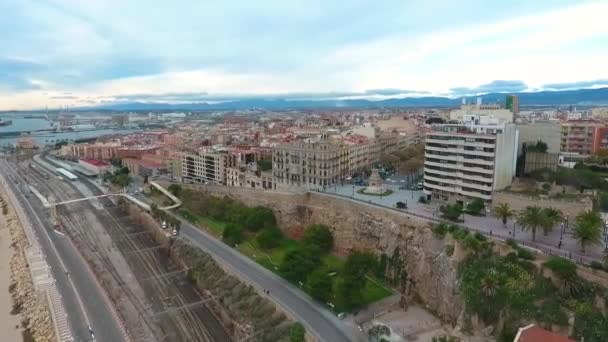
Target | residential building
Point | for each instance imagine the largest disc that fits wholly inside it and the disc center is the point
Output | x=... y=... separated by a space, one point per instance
x=546 y=131
x=470 y=159
x=207 y=167
x=600 y=139
x=578 y=136
x=100 y=151
x=600 y=113
x=143 y=168
x=512 y=103
x=314 y=163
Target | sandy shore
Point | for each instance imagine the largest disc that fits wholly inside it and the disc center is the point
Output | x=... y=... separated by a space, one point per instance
x=9 y=324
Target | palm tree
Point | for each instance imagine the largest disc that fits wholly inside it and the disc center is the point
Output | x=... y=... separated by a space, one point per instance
x=554 y=216
x=588 y=229
x=504 y=212
x=531 y=219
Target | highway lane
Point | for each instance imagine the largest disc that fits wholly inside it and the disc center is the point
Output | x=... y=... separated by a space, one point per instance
x=317 y=319
x=59 y=252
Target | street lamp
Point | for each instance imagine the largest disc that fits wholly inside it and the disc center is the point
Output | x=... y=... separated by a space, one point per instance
x=514 y=226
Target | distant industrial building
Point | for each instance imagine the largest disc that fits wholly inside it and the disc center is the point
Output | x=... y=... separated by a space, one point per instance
x=470 y=159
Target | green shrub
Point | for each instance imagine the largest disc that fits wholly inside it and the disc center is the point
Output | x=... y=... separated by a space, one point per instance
x=512 y=243
x=460 y=234
x=452 y=212
x=596 y=265
x=422 y=200
x=232 y=234
x=319 y=284
x=319 y=235
x=440 y=229
x=525 y=254
x=299 y=263
x=562 y=268
x=475 y=207
x=297 y=333
x=269 y=238
x=449 y=250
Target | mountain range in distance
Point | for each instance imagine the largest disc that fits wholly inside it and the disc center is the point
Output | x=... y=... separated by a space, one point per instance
x=580 y=97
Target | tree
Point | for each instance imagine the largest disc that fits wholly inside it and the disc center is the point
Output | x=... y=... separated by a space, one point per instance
x=320 y=284
x=319 y=235
x=475 y=206
x=553 y=217
x=259 y=218
x=264 y=164
x=297 y=333
x=601 y=156
x=451 y=212
x=299 y=263
x=232 y=234
x=269 y=238
x=603 y=201
x=588 y=229
x=504 y=212
x=352 y=278
x=175 y=189
x=531 y=219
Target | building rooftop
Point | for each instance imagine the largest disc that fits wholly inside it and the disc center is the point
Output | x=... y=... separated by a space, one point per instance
x=533 y=333
x=94 y=162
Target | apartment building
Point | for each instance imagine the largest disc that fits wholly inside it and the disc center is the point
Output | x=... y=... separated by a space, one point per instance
x=314 y=163
x=207 y=167
x=100 y=151
x=578 y=137
x=470 y=159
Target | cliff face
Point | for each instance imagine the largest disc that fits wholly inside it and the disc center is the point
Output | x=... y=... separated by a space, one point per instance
x=431 y=274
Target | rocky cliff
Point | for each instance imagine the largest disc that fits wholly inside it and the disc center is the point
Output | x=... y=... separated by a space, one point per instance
x=431 y=275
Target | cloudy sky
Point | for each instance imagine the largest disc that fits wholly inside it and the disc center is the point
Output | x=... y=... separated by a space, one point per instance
x=81 y=52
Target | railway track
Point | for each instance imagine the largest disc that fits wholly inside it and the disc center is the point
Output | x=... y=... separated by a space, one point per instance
x=174 y=311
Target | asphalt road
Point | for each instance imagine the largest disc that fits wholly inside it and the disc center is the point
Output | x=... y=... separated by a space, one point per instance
x=57 y=249
x=317 y=319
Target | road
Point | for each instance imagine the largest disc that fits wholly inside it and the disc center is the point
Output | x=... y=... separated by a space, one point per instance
x=80 y=284
x=317 y=319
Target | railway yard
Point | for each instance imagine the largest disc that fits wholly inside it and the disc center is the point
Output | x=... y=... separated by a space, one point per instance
x=150 y=293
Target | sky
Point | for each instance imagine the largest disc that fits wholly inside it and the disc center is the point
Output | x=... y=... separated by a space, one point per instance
x=77 y=53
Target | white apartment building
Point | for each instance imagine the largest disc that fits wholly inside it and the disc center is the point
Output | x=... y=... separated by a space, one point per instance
x=207 y=167
x=469 y=160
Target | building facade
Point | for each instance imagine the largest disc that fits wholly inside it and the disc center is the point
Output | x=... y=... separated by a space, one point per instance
x=310 y=164
x=545 y=131
x=512 y=103
x=578 y=137
x=207 y=167
x=469 y=160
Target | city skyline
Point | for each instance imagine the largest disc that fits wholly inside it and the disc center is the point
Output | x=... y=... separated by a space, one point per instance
x=77 y=53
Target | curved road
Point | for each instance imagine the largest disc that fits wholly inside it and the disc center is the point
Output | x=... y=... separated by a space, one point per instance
x=318 y=320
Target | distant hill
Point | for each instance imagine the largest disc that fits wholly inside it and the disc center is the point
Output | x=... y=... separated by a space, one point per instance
x=581 y=97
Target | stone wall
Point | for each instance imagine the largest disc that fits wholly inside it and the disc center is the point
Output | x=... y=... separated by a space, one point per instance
x=357 y=226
